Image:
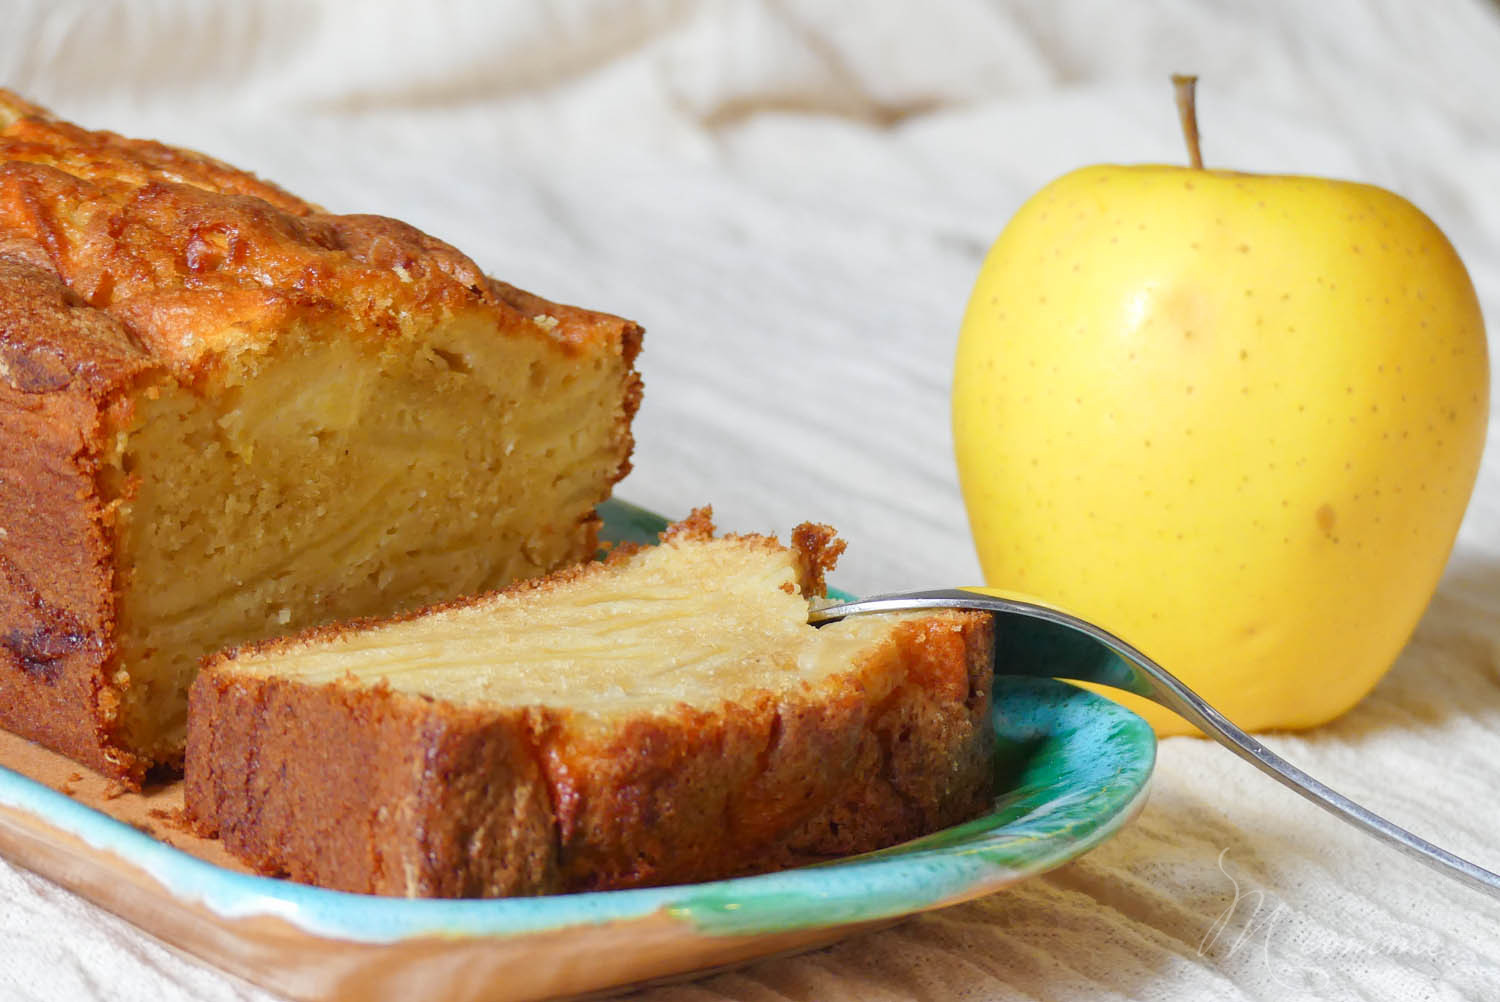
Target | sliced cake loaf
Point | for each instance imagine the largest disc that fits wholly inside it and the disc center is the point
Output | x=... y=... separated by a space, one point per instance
x=226 y=415
x=663 y=716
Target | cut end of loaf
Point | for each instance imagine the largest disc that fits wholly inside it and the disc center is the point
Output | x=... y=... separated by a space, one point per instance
x=343 y=480
x=232 y=414
x=666 y=715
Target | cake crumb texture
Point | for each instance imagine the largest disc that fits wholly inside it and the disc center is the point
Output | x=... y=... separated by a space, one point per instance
x=664 y=716
x=227 y=414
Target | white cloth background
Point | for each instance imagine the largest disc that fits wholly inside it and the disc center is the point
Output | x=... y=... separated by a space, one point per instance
x=794 y=197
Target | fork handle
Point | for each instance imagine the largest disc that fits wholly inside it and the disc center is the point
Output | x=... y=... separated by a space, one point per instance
x=1034 y=639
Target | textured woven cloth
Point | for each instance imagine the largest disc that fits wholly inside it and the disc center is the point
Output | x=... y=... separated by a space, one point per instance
x=794 y=196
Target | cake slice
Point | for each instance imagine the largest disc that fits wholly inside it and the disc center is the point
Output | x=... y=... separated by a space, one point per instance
x=661 y=717
x=226 y=414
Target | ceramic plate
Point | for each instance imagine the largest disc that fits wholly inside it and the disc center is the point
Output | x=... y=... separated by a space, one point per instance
x=1073 y=766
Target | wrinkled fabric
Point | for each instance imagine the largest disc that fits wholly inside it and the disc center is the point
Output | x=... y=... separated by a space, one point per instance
x=794 y=197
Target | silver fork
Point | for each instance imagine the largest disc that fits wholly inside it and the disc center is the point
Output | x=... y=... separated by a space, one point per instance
x=1034 y=639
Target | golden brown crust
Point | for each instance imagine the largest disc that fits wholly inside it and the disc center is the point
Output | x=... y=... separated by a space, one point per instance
x=368 y=790
x=817 y=549
x=125 y=264
x=63 y=365
x=698 y=525
x=892 y=749
x=362 y=828
x=201 y=261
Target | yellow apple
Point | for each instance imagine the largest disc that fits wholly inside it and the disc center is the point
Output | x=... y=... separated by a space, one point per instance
x=1233 y=418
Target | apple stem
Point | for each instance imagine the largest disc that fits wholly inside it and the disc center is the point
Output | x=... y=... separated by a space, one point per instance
x=1187 y=112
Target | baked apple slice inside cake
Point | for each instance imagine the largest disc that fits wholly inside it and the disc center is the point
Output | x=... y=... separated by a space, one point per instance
x=664 y=716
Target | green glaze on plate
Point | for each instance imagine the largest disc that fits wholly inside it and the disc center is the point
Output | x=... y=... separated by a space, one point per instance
x=1073 y=767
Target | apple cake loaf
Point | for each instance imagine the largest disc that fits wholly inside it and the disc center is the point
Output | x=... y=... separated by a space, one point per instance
x=227 y=414
x=666 y=715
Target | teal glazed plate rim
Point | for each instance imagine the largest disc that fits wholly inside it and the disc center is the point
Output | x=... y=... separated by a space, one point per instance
x=1073 y=767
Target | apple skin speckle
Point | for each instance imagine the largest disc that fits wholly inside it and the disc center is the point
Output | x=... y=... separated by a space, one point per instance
x=1225 y=361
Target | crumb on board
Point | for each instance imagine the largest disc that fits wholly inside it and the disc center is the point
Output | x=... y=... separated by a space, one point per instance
x=174 y=818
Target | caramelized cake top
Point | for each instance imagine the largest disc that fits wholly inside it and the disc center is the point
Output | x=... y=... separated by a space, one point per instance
x=203 y=263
